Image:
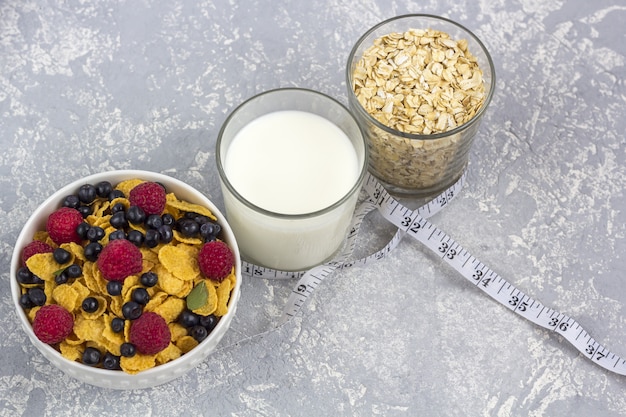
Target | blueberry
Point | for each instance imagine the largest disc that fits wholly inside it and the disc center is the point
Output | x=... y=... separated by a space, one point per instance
x=92 y=251
x=188 y=319
x=61 y=278
x=74 y=271
x=95 y=233
x=135 y=215
x=127 y=350
x=152 y=238
x=91 y=356
x=37 y=296
x=168 y=219
x=116 y=194
x=82 y=229
x=188 y=227
x=140 y=296
x=71 y=201
x=24 y=276
x=117 y=207
x=90 y=304
x=114 y=288
x=103 y=189
x=117 y=234
x=61 y=256
x=85 y=211
x=132 y=310
x=165 y=233
x=198 y=332
x=135 y=237
x=209 y=322
x=25 y=301
x=118 y=220
x=87 y=193
x=198 y=218
x=209 y=231
x=154 y=221
x=148 y=279
x=117 y=325
x=111 y=361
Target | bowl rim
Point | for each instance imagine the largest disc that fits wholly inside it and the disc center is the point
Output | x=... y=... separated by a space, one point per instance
x=412 y=136
x=156 y=373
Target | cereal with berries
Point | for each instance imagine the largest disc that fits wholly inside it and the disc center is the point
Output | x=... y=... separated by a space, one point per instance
x=126 y=276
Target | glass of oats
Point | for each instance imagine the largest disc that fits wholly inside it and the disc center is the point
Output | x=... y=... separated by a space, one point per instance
x=419 y=85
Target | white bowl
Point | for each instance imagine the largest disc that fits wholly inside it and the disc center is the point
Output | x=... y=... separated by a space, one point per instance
x=119 y=379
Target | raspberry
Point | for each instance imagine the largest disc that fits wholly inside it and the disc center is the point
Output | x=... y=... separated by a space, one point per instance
x=150 y=196
x=119 y=259
x=216 y=260
x=62 y=224
x=149 y=333
x=34 y=247
x=52 y=323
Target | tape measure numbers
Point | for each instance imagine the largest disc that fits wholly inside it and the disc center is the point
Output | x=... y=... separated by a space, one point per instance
x=414 y=223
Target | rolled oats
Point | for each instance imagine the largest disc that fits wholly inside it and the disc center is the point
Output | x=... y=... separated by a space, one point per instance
x=418 y=82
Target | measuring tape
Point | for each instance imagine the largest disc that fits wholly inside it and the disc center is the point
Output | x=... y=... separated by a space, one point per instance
x=413 y=223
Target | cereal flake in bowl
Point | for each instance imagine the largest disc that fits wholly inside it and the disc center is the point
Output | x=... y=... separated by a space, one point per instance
x=126 y=279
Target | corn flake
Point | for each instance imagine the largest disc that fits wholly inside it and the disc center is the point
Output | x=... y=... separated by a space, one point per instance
x=99 y=207
x=170 y=309
x=171 y=284
x=88 y=329
x=72 y=352
x=177 y=331
x=82 y=290
x=186 y=343
x=94 y=281
x=31 y=313
x=72 y=339
x=66 y=297
x=44 y=266
x=170 y=353
x=155 y=300
x=48 y=287
x=127 y=185
x=149 y=255
x=179 y=237
x=173 y=201
x=42 y=236
x=181 y=260
x=223 y=295
x=110 y=339
x=137 y=363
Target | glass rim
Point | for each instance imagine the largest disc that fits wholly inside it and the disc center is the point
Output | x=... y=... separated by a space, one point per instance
x=415 y=136
x=224 y=178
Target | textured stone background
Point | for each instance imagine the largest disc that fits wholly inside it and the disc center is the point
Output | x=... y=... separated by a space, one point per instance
x=93 y=86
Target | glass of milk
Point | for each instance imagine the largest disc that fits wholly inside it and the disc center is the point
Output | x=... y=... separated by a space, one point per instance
x=291 y=163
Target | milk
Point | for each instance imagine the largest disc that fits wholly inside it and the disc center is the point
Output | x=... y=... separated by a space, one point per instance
x=291 y=163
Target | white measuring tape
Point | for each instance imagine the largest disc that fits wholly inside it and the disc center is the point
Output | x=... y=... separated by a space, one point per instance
x=413 y=223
